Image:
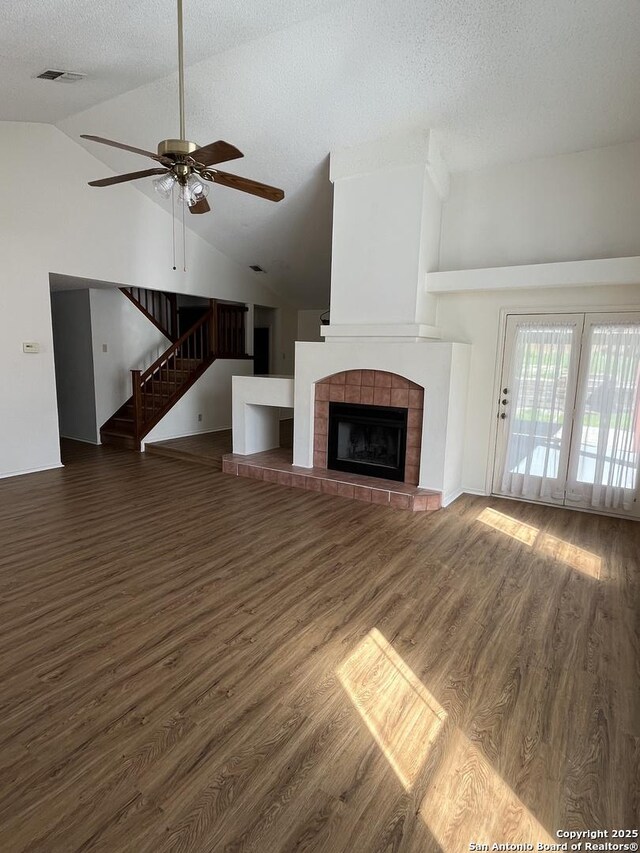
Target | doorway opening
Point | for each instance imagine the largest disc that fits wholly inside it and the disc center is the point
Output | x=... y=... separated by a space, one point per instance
x=264 y=321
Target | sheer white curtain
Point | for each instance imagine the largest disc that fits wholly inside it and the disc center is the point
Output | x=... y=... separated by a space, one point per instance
x=606 y=453
x=535 y=458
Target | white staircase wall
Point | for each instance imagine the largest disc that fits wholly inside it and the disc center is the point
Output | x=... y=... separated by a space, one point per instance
x=209 y=397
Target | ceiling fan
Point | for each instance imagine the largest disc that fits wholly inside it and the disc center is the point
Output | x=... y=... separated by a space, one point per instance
x=185 y=165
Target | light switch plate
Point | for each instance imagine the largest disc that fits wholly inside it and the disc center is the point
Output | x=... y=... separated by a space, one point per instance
x=30 y=346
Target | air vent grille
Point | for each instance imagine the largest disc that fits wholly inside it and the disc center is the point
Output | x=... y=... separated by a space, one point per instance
x=63 y=76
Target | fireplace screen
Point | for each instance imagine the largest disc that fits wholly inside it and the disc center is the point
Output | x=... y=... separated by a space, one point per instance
x=367 y=440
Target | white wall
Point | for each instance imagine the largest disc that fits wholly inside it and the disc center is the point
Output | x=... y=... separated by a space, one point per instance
x=286 y=327
x=73 y=351
x=309 y=325
x=376 y=243
x=28 y=408
x=429 y=256
x=114 y=234
x=132 y=341
x=209 y=397
x=475 y=317
x=571 y=207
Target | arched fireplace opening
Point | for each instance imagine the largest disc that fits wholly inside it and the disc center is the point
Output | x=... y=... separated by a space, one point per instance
x=369 y=422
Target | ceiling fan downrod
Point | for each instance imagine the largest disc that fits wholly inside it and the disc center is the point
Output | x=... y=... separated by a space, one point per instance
x=179 y=148
x=184 y=164
x=181 y=71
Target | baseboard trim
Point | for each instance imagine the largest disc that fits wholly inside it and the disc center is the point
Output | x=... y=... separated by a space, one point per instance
x=81 y=440
x=9 y=474
x=183 y=435
x=451 y=497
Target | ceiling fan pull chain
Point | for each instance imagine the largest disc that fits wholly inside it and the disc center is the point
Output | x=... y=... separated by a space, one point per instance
x=184 y=240
x=173 y=223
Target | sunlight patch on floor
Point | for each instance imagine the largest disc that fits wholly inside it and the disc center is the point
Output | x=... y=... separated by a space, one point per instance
x=525 y=533
x=584 y=561
x=398 y=710
x=466 y=800
x=551 y=546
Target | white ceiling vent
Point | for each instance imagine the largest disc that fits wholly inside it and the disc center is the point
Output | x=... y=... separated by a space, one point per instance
x=64 y=76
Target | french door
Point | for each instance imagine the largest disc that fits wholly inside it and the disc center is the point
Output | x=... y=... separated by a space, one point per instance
x=569 y=411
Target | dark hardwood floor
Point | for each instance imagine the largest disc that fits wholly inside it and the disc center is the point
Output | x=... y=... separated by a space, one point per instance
x=206 y=448
x=197 y=662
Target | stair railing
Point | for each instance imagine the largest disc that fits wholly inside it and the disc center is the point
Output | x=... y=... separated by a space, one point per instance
x=158 y=306
x=219 y=333
x=170 y=375
x=230 y=327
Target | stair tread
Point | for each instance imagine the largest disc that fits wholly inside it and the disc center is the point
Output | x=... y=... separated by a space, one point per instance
x=111 y=430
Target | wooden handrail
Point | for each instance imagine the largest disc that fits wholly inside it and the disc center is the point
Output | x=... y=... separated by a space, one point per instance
x=158 y=306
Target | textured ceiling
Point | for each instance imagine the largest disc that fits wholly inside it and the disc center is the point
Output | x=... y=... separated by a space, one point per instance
x=289 y=81
x=119 y=45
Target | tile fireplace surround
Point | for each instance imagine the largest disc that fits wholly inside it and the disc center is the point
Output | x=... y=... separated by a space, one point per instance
x=371 y=388
x=427 y=377
x=366 y=387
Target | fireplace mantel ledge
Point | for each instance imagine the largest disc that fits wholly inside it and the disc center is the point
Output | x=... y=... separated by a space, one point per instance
x=397 y=331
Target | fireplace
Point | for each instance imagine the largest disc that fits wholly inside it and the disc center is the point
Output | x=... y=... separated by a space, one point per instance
x=377 y=391
x=370 y=440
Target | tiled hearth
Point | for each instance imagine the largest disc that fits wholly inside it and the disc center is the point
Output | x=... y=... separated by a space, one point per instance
x=274 y=466
x=370 y=388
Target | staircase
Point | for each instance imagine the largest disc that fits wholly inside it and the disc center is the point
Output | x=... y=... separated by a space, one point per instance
x=157 y=306
x=219 y=333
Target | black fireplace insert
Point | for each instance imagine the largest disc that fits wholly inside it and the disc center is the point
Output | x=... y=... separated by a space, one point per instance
x=369 y=440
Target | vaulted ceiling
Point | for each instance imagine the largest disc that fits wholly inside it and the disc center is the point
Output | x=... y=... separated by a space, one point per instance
x=287 y=81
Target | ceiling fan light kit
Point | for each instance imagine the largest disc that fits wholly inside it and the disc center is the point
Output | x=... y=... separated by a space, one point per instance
x=185 y=165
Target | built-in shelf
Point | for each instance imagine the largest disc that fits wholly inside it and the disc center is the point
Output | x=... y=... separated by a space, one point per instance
x=609 y=271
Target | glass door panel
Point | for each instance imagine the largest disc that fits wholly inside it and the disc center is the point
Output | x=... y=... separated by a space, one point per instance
x=536 y=403
x=605 y=451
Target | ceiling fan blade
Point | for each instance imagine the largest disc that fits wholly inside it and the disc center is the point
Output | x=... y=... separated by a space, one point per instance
x=131 y=176
x=201 y=206
x=216 y=152
x=126 y=148
x=246 y=185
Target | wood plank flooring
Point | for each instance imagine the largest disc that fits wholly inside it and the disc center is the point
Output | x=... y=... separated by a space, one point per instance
x=206 y=448
x=196 y=662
